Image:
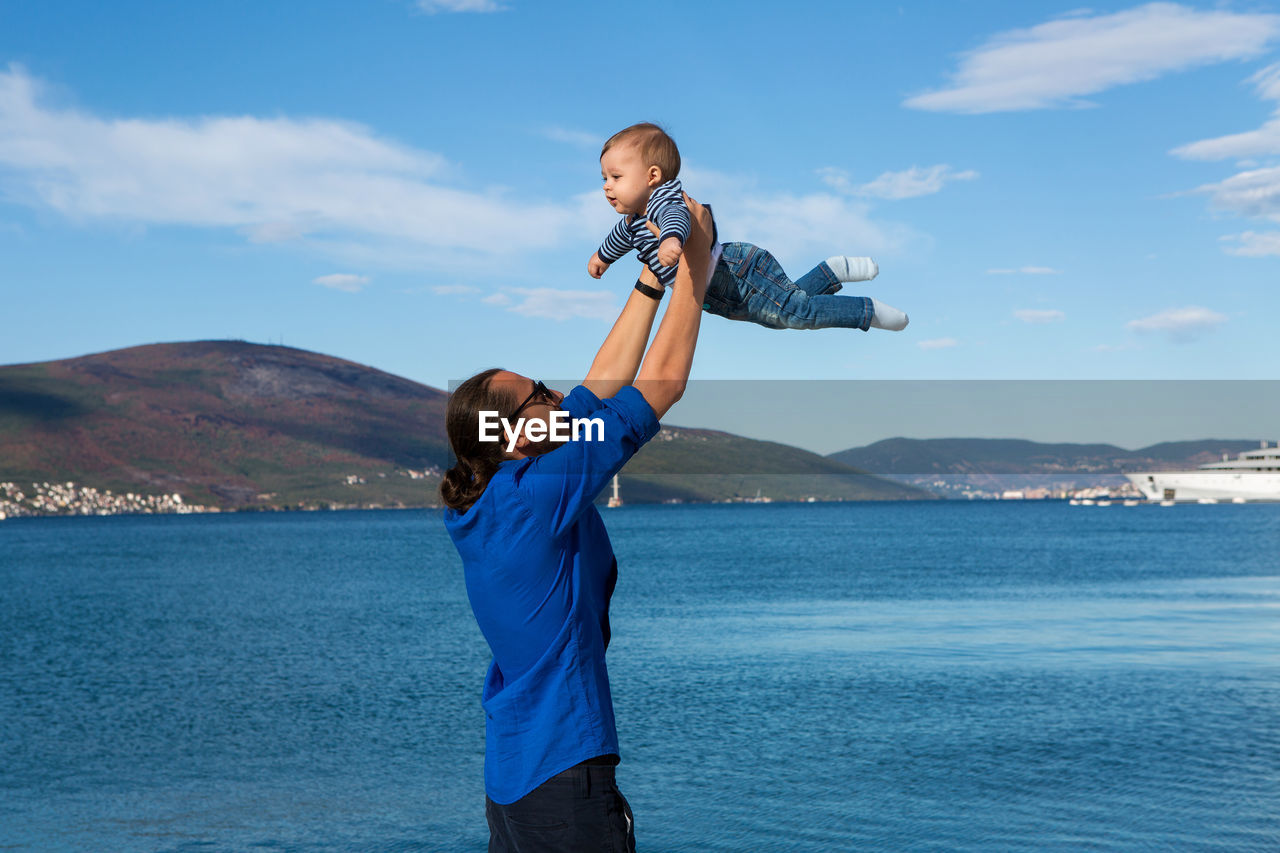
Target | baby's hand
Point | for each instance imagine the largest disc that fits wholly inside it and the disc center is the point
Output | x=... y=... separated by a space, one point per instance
x=595 y=266
x=669 y=251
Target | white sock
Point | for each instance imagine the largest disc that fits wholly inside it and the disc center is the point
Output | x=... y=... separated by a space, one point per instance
x=853 y=269
x=888 y=317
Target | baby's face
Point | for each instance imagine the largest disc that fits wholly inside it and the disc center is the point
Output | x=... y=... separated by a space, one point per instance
x=627 y=180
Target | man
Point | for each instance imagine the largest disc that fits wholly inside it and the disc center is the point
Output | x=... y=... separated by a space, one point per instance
x=540 y=570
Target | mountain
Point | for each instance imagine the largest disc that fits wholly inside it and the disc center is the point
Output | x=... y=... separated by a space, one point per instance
x=994 y=464
x=225 y=423
x=700 y=465
x=239 y=425
x=1016 y=456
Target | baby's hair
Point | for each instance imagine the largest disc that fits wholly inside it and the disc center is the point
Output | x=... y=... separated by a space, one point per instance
x=656 y=148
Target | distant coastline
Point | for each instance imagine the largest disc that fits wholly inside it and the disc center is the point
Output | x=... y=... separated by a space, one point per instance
x=218 y=426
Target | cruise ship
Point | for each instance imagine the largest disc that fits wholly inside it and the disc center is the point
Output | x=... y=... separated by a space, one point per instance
x=1252 y=476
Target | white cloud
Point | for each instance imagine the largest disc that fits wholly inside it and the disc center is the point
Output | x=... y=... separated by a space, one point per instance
x=338 y=189
x=1033 y=315
x=580 y=138
x=454 y=289
x=938 y=343
x=1253 y=143
x=431 y=7
x=1254 y=193
x=273 y=232
x=818 y=225
x=328 y=185
x=893 y=186
x=1267 y=82
x=1251 y=244
x=797 y=229
x=1024 y=271
x=1180 y=325
x=1057 y=62
x=561 y=304
x=497 y=299
x=837 y=178
x=343 y=281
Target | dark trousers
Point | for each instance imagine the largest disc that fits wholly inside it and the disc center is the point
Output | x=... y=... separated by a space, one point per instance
x=580 y=809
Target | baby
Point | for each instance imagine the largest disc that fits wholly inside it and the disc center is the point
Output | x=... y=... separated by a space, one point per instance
x=640 y=165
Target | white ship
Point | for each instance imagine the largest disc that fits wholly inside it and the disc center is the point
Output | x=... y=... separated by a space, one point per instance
x=1252 y=476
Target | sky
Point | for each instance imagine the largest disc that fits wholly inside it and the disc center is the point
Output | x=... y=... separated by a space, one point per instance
x=1051 y=192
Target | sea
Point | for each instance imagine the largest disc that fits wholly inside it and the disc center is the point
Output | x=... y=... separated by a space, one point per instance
x=970 y=676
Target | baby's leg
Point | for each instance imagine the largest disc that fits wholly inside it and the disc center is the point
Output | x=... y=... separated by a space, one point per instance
x=802 y=311
x=762 y=293
x=825 y=279
x=888 y=317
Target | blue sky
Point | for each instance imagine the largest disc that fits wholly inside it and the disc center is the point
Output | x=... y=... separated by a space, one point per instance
x=1050 y=192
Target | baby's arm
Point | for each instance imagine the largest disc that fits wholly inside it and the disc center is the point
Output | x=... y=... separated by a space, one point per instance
x=617 y=244
x=673 y=220
x=595 y=266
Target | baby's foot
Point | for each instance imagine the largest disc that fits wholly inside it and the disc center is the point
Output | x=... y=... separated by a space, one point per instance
x=853 y=269
x=887 y=317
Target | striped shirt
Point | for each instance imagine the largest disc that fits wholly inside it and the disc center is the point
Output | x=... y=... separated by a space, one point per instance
x=667 y=210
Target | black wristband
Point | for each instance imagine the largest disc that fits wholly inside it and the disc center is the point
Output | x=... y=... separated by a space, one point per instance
x=651 y=292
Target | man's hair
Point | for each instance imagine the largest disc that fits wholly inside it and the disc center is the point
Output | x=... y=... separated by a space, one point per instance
x=655 y=147
x=476 y=460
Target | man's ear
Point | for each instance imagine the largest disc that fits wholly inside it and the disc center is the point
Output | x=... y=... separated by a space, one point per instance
x=522 y=442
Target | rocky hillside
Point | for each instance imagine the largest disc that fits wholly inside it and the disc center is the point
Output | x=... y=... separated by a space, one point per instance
x=238 y=425
x=222 y=422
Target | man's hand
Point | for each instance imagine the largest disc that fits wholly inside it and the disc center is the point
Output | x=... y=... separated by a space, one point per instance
x=699 y=243
x=669 y=251
x=595 y=266
x=698 y=246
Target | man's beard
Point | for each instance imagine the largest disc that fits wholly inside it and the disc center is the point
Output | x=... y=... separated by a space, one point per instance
x=538 y=448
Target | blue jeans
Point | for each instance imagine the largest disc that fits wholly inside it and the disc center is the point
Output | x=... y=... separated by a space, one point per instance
x=749 y=284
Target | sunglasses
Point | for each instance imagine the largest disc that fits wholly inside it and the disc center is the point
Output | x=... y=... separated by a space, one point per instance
x=540 y=392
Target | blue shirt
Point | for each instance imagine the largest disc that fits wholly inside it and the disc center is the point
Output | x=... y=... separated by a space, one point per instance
x=540 y=572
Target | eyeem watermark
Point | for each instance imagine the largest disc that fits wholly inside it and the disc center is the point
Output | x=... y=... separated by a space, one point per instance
x=559 y=427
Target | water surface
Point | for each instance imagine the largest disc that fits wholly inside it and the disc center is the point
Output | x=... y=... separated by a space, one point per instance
x=903 y=676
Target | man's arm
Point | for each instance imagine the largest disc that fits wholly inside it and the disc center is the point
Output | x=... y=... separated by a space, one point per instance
x=619 y=357
x=665 y=371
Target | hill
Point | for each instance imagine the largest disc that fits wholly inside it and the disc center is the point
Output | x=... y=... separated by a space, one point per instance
x=1016 y=456
x=994 y=464
x=226 y=423
x=698 y=465
x=238 y=425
